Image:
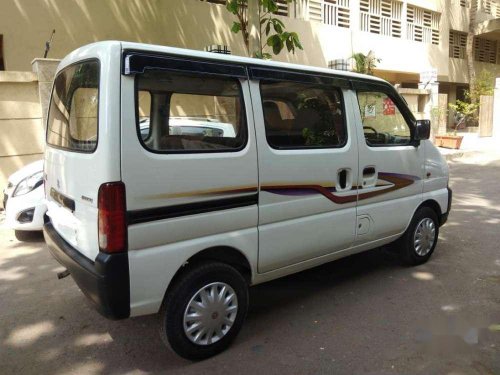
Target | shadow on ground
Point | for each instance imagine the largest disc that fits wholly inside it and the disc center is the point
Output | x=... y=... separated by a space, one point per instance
x=361 y=314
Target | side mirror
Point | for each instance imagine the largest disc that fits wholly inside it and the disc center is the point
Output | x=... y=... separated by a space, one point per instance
x=422 y=130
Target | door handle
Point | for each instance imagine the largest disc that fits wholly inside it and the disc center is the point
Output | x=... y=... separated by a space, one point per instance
x=370 y=176
x=368 y=171
x=344 y=179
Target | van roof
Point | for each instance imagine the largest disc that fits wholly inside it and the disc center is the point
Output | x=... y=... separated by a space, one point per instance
x=82 y=53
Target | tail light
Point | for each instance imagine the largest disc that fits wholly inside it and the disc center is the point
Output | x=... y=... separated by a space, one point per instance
x=112 y=218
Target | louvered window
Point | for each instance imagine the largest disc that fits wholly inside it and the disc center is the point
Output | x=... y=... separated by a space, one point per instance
x=315 y=10
x=458 y=42
x=463 y=3
x=492 y=7
x=381 y=17
x=216 y=1
x=330 y=12
x=422 y=25
x=485 y=50
x=282 y=8
x=336 y=12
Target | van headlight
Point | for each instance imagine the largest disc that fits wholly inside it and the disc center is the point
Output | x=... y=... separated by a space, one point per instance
x=28 y=184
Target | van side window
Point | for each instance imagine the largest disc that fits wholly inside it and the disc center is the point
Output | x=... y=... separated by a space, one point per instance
x=383 y=123
x=178 y=112
x=300 y=115
x=73 y=113
x=144 y=113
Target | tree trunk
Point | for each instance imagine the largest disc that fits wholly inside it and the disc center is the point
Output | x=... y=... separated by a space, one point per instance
x=469 y=49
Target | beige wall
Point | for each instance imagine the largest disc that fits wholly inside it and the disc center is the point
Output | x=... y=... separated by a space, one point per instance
x=27 y=24
x=21 y=129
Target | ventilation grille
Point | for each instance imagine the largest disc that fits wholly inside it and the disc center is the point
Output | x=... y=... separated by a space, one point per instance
x=381 y=17
x=422 y=25
x=464 y=3
x=336 y=12
x=223 y=2
x=330 y=12
x=458 y=43
x=485 y=50
x=491 y=7
x=282 y=8
x=315 y=10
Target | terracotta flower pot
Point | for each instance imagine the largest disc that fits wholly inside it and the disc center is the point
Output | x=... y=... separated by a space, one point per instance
x=448 y=141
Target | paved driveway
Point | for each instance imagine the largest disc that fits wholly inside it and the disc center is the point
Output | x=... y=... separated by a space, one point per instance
x=360 y=315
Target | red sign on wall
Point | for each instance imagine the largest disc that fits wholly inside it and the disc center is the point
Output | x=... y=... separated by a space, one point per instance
x=389 y=108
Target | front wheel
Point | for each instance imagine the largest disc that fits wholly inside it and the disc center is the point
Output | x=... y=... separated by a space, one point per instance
x=204 y=311
x=419 y=241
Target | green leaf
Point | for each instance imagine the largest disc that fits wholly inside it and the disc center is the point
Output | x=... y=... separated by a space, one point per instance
x=275 y=20
x=277 y=26
x=232 y=6
x=276 y=43
x=268 y=28
x=269 y=5
x=289 y=44
x=236 y=27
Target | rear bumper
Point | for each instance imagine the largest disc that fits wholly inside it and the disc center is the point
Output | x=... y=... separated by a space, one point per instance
x=444 y=217
x=105 y=282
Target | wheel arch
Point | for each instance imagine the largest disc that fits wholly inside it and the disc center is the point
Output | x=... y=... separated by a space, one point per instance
x=223 y=254
x=430 y=203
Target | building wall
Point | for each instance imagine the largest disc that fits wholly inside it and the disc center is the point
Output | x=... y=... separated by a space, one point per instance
x=27 y=24
x=20 y=122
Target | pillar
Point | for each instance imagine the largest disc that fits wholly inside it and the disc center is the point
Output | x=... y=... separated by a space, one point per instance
x=45 y=69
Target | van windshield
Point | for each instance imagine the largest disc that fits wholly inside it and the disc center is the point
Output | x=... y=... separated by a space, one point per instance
x=73 y=113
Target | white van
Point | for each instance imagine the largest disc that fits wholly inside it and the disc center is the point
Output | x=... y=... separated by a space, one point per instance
x=152 y=217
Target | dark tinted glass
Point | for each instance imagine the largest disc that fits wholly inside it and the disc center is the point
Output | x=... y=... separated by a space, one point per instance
x=299 y=115
x=73 y=112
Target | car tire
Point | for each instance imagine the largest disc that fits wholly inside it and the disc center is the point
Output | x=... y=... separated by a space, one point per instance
x=420 y=238
x=28 y=235
x=203 y=285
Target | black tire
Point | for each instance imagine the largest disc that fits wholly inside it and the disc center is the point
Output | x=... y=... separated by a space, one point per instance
x=175 y=303
x=405 y=245
x=28 y=235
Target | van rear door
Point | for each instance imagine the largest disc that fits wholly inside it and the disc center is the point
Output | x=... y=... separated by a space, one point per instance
x=79 y=156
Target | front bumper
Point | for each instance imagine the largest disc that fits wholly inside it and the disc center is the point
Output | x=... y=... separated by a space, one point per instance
x=105 y=282
x=444 y=217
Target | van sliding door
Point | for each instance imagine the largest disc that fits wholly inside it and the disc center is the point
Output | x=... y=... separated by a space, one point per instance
x=307 y=166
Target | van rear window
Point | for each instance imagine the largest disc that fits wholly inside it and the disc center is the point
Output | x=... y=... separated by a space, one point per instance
x=73 y=112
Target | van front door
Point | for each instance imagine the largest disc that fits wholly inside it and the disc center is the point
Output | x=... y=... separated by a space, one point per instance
x=307 y=164
x=391 y=166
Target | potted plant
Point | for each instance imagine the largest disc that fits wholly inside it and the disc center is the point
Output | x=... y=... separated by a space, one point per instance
x=449 y=140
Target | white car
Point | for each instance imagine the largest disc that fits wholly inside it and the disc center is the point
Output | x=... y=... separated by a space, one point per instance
x=23 y=199
x=308 y=166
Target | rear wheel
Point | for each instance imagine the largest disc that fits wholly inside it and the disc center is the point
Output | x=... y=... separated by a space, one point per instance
x=28 y=235
x=204 y=311
x=419 y=241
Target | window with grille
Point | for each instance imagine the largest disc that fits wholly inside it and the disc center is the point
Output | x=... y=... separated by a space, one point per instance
x=458 y=43
x=336 y=12
x=223 y=2
x=315 y=10
x=422 y=25
x=381 y=17
x=485 y=50
x=491 y=7
x=330 y=12
x=282 y=8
